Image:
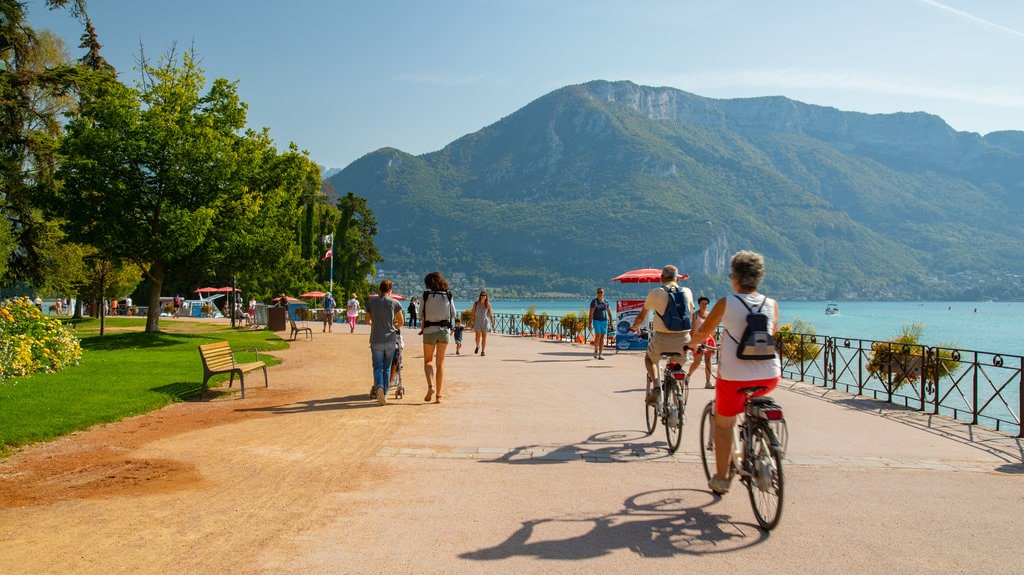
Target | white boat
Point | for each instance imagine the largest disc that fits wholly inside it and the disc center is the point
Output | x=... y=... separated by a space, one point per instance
x=832 y=309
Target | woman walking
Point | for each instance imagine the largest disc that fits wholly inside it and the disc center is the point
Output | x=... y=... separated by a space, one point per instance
x=438 y=313
x=384 y=315
x=483 y=319
x=352 y=309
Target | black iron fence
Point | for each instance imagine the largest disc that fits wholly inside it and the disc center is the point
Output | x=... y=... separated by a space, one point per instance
x=979 y=387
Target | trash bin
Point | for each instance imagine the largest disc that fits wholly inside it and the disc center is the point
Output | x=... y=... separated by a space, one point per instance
x=277 y=318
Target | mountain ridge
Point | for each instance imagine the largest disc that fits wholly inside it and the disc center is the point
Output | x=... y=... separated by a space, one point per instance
x=593 y=179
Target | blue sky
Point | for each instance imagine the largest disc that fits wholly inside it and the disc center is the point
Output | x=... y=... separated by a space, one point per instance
x=342 y=78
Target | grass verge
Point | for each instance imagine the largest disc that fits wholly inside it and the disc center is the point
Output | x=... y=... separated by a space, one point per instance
x=123 y=373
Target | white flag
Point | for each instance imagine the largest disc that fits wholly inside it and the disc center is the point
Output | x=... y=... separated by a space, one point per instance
x=328 y=240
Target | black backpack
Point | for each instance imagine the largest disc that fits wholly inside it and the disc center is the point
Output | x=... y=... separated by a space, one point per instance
x=677 y=313
x=756 y=342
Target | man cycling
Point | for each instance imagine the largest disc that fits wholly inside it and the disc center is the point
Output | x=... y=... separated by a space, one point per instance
x=662 y=340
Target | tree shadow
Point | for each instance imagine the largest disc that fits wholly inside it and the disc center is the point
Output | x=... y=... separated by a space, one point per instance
x=134 y=340
x=662 y=523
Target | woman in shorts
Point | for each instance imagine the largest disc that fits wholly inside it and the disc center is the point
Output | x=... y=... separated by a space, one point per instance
x=438 y=314
x=747 y=271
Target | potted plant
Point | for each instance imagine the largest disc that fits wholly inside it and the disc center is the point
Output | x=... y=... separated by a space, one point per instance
x=796 y=342
x=904 y=360
x=572 y=324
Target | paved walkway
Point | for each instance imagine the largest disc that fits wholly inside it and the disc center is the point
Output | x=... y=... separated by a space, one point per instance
x=536 y=462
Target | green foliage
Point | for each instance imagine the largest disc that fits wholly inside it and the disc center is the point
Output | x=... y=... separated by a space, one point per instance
x=537 y=322
x=467 y=317
x=31 y=342
x=574 y=324
x=796 y=341
x=905 y=359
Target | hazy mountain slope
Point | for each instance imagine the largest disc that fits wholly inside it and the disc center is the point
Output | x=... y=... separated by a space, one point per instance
x=591 y=180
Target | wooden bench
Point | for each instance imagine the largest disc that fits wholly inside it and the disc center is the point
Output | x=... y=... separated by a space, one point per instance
x=296 y=329
x=218 y=359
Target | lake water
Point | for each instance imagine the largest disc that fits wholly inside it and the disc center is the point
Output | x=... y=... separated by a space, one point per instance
x=996 y=327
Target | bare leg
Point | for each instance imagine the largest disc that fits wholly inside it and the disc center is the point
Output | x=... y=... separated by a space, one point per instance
x=428 y=369
x=723 y=445
x=483 y=340
x=442 y=349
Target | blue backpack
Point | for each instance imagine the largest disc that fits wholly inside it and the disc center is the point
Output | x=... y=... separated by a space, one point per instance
x=676 y=316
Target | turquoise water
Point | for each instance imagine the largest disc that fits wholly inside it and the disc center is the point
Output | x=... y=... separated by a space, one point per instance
x=996 y=327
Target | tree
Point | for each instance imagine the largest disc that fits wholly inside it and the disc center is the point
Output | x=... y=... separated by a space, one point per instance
x=146 y=169
x=355 y=254
x=35 y=86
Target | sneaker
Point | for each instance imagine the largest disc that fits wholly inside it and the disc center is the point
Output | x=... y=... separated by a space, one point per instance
x=719 y=485
x=595 y=356
x=380 y=395
x=477 y=350
x=653 y=398
x=483 y=353
x=600 y=357
x=709 y=386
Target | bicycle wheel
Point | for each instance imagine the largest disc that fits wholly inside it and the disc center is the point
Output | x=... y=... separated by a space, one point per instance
x=764 y=463
x=675 y=404
x=707 y=442
x=652 y=408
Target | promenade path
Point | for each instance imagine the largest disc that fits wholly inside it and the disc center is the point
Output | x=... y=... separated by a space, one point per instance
x=535 y=462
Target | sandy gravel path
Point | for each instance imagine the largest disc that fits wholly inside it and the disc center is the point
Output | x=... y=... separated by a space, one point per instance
x=534 y=463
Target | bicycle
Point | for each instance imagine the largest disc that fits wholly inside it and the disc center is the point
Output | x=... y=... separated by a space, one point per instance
x=759 y=442
x=671 y=405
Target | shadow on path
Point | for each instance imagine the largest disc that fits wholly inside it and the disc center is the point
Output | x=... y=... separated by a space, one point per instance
x=662 y=523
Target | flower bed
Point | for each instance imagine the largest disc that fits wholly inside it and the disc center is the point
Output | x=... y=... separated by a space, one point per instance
x=31 y=342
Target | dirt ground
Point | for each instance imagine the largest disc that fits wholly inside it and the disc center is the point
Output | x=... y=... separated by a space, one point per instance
x=189 y=476
x=535 y=462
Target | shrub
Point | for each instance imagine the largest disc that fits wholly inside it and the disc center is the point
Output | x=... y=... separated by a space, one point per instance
x=467 y=318
x=31 y=342
x=788 y=339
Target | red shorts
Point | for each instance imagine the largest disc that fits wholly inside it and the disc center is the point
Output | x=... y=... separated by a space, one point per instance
x=728 y=398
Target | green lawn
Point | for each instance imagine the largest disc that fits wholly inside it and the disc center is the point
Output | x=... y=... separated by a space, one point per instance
x=123 y=373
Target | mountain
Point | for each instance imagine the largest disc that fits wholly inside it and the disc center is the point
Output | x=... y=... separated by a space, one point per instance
x=595 y=179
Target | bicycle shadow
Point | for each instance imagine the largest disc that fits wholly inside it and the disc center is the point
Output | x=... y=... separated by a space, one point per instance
x=662 y=523
x=603 y=447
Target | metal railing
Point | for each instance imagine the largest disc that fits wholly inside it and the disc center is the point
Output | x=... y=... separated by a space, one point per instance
x=978 y=387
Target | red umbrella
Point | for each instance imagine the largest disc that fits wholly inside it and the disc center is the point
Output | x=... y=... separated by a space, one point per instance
x=314 y=294
x=226 y=289
x=208 y=290
x=645 y=275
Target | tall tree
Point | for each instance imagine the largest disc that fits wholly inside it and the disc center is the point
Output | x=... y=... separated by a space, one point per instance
x=146 y=169
x=36 y=79
x=356 y=255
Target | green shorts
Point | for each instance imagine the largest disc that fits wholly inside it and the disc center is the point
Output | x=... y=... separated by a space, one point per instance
x=434 y=338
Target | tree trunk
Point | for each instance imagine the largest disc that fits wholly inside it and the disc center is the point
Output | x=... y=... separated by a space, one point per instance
x=156 y=278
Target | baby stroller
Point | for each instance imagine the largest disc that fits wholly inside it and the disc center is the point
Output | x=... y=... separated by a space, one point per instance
x=396 y=371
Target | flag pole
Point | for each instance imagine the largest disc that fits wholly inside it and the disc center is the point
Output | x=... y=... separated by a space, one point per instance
x=332 y=263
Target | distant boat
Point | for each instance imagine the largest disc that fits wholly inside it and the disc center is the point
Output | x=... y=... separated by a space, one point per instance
x=832 y=309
